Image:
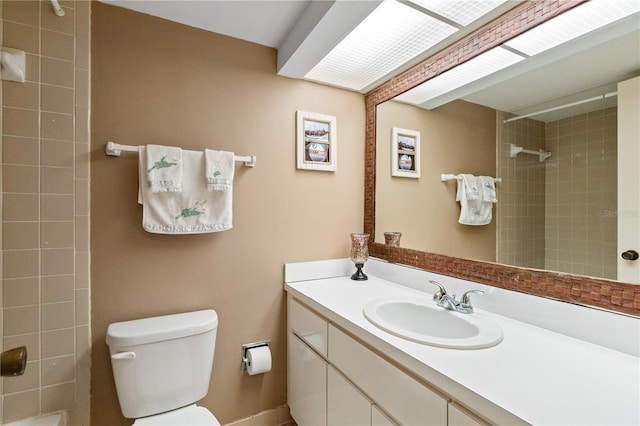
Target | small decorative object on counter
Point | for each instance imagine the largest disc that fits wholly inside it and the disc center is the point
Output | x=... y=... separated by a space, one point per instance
x=392 y=239
x=359 y=254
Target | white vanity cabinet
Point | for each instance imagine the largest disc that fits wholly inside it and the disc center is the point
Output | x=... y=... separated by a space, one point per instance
x=307 y=381
x=335 y=380
x=408 y=383
x=378 y=418
x=307 y=365
x=346 y=405
x=318 y=393
x=404 y=398
x=458 y=416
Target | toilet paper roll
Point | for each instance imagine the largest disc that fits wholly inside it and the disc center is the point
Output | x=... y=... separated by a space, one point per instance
x=259 y=360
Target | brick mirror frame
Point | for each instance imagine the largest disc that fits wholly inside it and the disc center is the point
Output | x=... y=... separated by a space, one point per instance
x=596 y=292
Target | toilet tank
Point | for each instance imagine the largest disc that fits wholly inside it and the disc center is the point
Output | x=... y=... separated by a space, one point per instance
x=162 y=363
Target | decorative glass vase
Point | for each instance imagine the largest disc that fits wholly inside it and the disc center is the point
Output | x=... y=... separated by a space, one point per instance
x=392 y=239
x=359 y=254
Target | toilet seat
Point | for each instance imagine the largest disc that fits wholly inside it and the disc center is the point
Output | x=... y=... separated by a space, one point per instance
x=189 y=415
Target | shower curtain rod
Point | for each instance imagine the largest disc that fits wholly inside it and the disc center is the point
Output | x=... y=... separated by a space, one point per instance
x=584 y=101
x=115 y=149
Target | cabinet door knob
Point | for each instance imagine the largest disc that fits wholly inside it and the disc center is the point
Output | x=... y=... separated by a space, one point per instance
x=630 y=255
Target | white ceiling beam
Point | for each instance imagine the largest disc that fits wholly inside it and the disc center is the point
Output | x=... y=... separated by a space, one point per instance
x=321 y=27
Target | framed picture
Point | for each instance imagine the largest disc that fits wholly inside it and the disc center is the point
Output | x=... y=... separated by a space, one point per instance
x=316 y=134
x=405 y=153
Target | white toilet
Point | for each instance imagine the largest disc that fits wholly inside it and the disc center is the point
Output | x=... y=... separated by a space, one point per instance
x=162 y=366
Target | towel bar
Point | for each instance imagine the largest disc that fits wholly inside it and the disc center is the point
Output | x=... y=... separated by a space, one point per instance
x=115 y=149
x=542 y=155
x=445 y=176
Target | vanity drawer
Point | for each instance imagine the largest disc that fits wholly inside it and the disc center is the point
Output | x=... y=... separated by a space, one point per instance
x=308 y=326
x=307 y=384
x=403 y=397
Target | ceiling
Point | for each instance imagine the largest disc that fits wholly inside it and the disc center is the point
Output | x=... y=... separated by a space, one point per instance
x=260 y=21
x=305 y=31
x=308 y=33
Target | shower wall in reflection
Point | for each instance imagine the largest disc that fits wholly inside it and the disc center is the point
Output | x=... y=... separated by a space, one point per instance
x=561 y=214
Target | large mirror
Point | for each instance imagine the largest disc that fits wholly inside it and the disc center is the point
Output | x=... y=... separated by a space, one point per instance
x=556 y=212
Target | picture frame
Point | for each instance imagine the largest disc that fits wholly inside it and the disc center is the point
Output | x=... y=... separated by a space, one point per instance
x=405 y=153
x=316 y=141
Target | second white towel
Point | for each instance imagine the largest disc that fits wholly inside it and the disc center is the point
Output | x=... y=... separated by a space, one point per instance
x=476 y=195
x=219 y=169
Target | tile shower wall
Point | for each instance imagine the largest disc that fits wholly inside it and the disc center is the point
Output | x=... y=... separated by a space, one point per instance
x=521 y=207
x=45 y=210
x=561 y=214
x=581 y=194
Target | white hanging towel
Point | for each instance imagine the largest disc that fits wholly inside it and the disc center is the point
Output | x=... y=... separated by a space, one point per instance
x=192 y=211
x=488 y=189
x=164 y=168
x=476 y=195
x=219 y=169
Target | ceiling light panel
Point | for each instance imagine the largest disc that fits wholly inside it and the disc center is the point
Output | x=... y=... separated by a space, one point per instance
x=572 y=24
x=472 y=70
x=462 y=12
x=390 y=36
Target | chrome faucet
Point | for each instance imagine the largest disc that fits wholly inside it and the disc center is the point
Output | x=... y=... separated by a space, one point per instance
x=443 y=299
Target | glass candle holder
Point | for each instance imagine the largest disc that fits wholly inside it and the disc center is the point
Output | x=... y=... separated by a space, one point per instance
x=359 y=254
x=392 y=239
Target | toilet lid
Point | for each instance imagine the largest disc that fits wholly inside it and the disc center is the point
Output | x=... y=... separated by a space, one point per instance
x=189 y=415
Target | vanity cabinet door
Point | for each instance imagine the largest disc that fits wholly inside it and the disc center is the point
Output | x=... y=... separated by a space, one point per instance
x=407 y=400
x=458 y=416
x=378 y=418
x=346 y=405
x=307 y=378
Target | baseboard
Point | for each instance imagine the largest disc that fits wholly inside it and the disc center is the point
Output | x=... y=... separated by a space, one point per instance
x=275 y=417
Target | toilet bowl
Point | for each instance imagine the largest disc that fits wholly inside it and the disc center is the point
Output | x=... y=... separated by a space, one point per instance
x=189 y=415
x=162 y=367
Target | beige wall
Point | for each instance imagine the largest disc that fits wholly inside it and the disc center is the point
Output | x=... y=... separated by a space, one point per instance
x=155 y=81
x=45 y=169
x=459 y=137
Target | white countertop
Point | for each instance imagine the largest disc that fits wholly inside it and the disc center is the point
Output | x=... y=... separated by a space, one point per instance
x=537 y=375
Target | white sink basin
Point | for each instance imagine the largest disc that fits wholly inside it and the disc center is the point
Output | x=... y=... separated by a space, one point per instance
x=422 y=321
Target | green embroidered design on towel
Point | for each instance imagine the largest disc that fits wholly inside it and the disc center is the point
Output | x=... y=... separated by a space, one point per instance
x=196 y=210
x=163 y=164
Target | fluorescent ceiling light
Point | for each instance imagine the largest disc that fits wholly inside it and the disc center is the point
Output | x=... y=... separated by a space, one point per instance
x=474 y=69
x=573 y=23
x=462 y=12
x=392 y=35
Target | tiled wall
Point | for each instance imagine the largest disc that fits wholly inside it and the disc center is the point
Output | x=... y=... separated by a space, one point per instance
x=581 y=182
x=45 y=199
x=560 y=215
x=521 y=207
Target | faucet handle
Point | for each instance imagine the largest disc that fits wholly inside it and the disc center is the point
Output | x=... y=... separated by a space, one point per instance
x=441 y=291
x=466 y=297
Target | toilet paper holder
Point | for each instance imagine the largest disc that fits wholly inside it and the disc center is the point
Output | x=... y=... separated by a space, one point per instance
x=246 y=347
